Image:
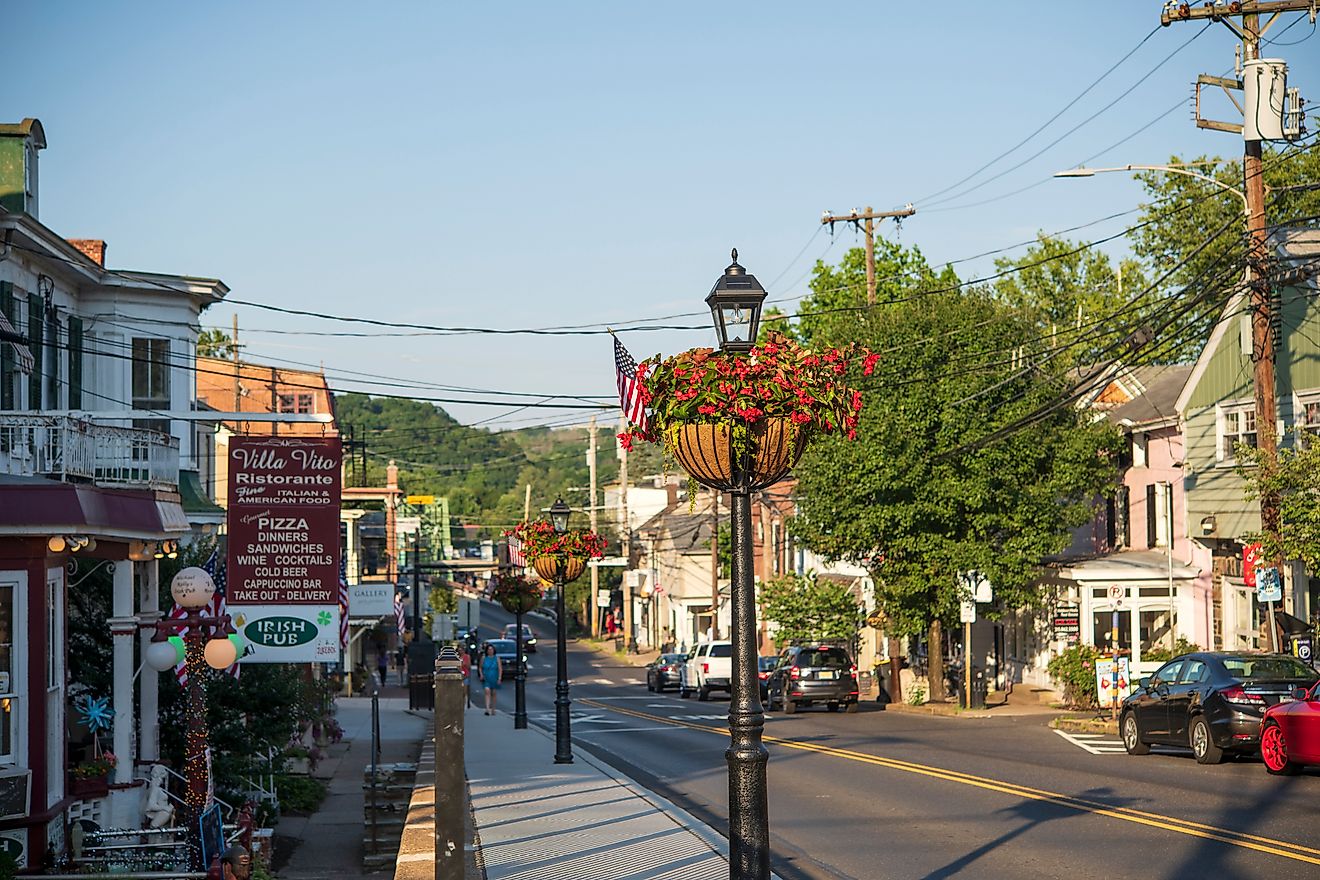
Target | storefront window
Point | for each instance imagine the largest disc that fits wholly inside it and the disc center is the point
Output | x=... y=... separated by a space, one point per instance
x=1246 y=621
x=8 y=715
x=1102 y=627
x=1154 y=629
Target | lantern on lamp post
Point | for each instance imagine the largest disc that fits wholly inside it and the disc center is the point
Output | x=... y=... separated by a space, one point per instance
x=206 y=641
x=735 y=307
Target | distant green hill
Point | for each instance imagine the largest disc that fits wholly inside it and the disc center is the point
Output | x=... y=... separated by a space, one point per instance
x=483 y=473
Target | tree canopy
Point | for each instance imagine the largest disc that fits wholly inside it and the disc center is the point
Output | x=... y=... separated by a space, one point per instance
x=930 y=488
x=806 y=608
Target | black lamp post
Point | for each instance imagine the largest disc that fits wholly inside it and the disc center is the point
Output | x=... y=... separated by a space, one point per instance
x=735 y=305
x=519 y=674
x=563 y=740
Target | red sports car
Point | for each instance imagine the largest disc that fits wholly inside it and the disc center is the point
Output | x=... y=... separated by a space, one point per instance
x=1290 y=733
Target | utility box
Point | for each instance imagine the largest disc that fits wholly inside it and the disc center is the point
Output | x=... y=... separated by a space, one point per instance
x=1264 y=95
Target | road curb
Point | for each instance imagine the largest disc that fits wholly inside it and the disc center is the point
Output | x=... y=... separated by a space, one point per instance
x=1085 y=725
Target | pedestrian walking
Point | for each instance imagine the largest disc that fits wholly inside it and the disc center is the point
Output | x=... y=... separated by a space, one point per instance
x=383 y=664
x=491 y=673
x=467 y=678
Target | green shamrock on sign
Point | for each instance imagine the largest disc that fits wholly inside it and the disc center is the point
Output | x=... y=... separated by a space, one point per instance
x=323 y=618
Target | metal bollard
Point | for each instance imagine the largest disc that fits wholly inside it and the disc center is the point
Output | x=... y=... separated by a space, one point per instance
x=449 y=778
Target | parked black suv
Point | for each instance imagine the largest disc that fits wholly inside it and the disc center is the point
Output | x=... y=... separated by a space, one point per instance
x=809 y=674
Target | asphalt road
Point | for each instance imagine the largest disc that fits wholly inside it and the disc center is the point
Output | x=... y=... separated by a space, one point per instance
x=891 y=795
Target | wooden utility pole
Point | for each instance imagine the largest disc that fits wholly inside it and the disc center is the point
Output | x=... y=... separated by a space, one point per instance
x=238 y=385
x=867 y=218
x=715 y=567
x=1258 y=279
x=527 y=503
x=593 y=611
x=626 y=529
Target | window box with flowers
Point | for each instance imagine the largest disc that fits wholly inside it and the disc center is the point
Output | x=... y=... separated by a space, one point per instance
x=91 y=778
x=711 y=409
x=545 y=548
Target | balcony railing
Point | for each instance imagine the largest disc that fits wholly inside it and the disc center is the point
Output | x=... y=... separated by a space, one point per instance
x=71 y=449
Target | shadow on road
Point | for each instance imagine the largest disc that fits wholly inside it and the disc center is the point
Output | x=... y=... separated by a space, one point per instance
x=1034 y=814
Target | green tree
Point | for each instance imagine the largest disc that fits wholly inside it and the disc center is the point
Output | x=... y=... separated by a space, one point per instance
x=961 y=462
x=215 y=343
x=838 y=293
x=1074 y=294
x=1295 y=481
x=805 y=608
x=1183 y=211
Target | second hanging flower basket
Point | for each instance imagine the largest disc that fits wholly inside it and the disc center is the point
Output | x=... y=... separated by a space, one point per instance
x=546 y=549
x=733 y=419
x=516 y=594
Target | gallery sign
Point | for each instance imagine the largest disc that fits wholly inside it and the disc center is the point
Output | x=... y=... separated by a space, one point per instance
x=373 y=599
x=283 y=554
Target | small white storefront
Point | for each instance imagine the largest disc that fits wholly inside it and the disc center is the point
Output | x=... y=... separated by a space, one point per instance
x=1151 y=602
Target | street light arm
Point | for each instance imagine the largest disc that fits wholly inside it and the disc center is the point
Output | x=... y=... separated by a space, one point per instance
x=1168 y=169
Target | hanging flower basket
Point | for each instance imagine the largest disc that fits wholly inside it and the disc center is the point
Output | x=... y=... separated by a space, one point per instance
x=547 y=567
x=516 y=595
x=545 y=548
x=707 y=452
x=743 y=420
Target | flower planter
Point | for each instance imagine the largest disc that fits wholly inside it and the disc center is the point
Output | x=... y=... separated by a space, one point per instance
x=706 y=453
x=547 y=567
x=89 y=787
x=521 y=603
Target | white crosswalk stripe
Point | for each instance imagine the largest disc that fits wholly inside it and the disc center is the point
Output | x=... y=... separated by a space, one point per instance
x=1095 y=743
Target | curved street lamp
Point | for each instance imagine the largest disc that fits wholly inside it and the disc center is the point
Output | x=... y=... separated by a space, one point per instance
x=1168 y=169
x=559 y=512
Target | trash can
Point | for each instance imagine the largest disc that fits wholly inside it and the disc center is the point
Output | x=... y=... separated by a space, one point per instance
x=980 y=689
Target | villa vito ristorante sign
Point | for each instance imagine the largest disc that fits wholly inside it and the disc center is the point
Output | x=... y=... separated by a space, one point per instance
x=283 y=556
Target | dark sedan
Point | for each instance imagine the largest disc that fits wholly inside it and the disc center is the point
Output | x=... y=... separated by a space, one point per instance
x=663 y=671
x=1210 y=702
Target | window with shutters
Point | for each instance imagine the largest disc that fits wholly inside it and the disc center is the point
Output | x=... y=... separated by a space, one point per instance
x=151 y=380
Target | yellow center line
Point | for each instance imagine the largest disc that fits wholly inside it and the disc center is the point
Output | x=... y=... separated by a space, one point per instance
x=1272 y=846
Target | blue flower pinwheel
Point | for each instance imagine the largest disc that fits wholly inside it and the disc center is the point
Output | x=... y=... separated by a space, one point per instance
x=95 y=712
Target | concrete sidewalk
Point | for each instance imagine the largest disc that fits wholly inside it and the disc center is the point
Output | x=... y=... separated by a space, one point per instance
x=538 y=819
x=329 y=843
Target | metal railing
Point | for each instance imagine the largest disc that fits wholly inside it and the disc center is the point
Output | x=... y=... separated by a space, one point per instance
x=68 y=448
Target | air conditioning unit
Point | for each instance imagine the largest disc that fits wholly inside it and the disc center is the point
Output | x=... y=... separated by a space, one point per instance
x=15 y=794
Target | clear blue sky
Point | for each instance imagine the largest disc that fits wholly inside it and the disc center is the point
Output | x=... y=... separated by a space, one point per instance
x=531 y=164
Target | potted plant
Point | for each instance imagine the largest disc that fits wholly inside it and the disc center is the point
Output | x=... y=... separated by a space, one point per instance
x=517 y=594
x=546 y=548
x=712 y=410
x=91 y=777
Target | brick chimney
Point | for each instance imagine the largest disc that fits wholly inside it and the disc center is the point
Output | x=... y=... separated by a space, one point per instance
x=92 y=248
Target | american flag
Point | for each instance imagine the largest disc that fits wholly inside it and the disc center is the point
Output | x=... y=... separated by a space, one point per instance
x=630 y=389
x=515 y=552
x=214 y=608
x=343 y=602
x=399 y=619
